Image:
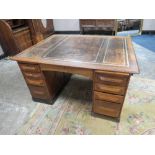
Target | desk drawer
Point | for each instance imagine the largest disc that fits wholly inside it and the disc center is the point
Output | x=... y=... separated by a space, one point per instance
x=108 y=97
x=111 y=78
x=30 y=67
x=107 y=108
x=38 y=82
x=120 y=90
x=39 y=92
x=32 y=75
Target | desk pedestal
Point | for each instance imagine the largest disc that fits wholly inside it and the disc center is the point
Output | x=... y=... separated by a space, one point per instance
x=109 y=88
x=109 y=91
x=43 y=86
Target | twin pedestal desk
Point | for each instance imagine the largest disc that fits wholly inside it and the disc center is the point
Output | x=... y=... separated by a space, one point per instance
x=108 y=60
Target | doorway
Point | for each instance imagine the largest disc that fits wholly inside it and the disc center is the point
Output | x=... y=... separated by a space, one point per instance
x=129 y=27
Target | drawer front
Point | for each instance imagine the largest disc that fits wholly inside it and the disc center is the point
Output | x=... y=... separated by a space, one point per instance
x=86 y=22
x=101 y=78
x=111 y=78
x=39 y=92
x=107 y=108
x=105 y=22
x=31 y=75
x=29 y=68
x=108 y=97
x=120 y=90
x=35 y=82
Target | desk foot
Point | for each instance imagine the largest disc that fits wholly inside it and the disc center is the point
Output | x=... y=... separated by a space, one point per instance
x=43 y=101
x=108 y=118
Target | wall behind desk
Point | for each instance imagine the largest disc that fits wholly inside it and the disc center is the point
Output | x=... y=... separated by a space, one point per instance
x=149 y=24
x=66 y=24
x=73 y=24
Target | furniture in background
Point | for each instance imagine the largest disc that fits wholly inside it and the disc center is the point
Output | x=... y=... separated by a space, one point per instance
x=108 y=61
x=103 y=26
x=17 y=35
x=121 y=25
x=40 y=29
x=129 y=24
x=14 y=36
x=133 y=24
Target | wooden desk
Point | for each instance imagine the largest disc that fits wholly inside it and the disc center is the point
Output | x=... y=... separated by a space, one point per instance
x=109 y=61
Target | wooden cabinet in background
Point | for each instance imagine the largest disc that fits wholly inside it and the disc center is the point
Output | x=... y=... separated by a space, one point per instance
x=40 y=29
x=23 y=38
x=17 y=35
x=103 y=26
x=11 y=38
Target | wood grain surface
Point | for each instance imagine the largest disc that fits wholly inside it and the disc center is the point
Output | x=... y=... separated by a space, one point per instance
x=108 y=61
x=110 y=53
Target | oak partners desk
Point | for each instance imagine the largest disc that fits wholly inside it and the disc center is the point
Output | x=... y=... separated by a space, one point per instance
x=108 y=60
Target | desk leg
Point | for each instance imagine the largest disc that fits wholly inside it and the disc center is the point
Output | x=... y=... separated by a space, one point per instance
x=109 y=91
x=43 y=86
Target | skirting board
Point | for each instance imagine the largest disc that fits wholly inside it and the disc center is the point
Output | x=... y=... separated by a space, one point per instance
x=148 y=32
x=85 y=32
x=67 y=32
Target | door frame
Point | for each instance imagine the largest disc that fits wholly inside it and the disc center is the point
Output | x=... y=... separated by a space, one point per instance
x=140 y=29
